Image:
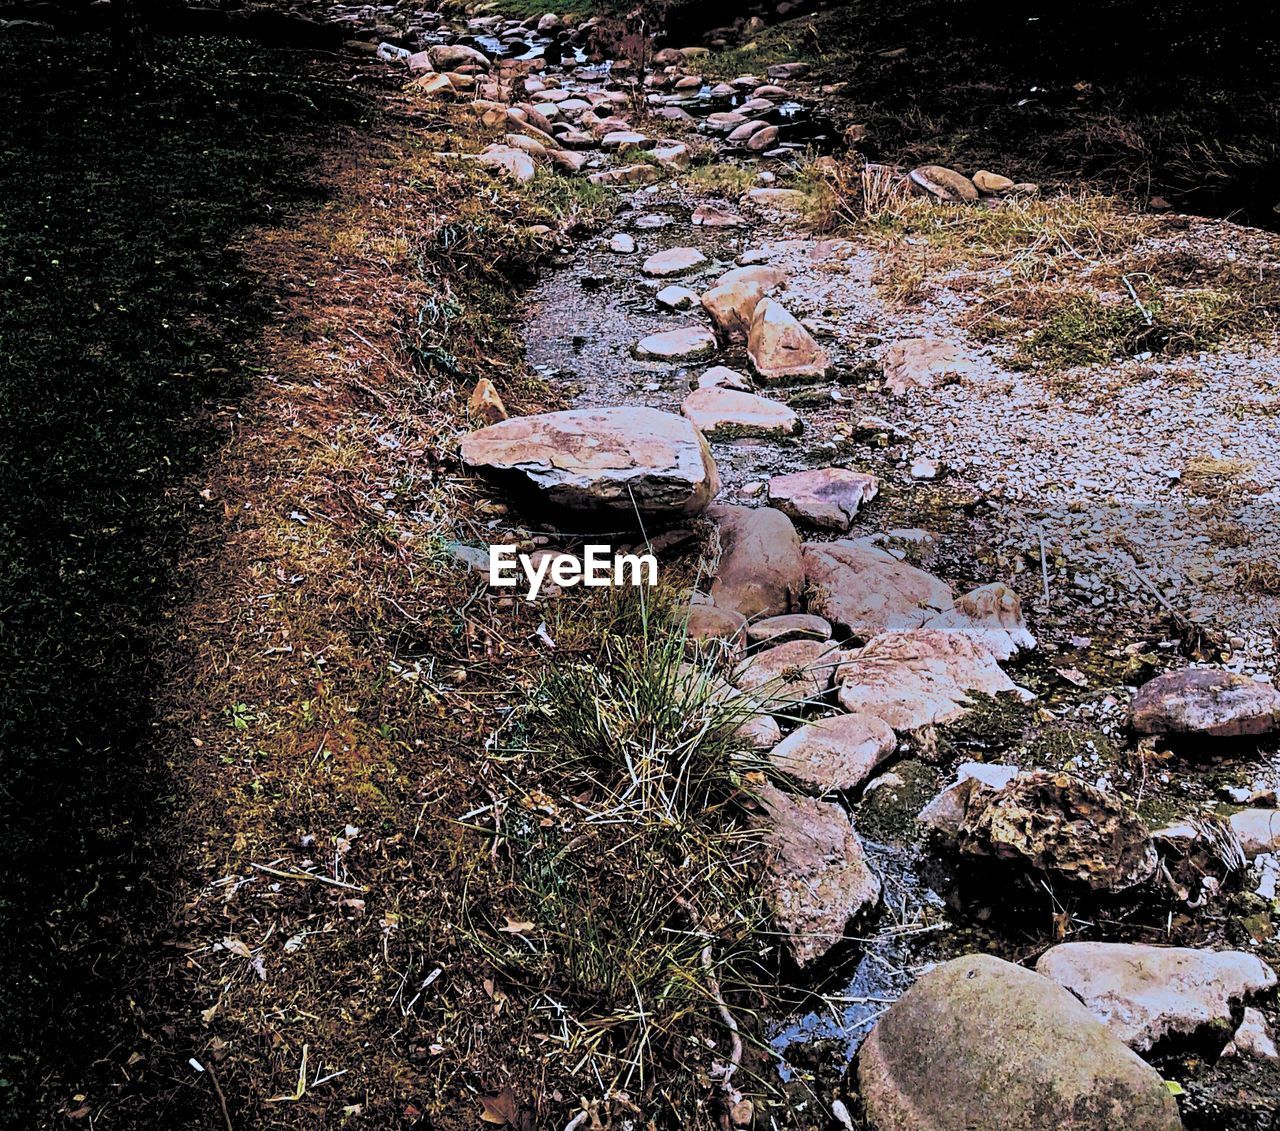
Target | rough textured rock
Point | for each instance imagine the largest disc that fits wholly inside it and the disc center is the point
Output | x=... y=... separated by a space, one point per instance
x=946 y=812
x=1258 y=830
x=707 y=623
x=923 y=363
x=864 y=589
x=787 y=676
x=781 y=349
x=760 y=572
x=673 y=261
x=978 y=1044
x=838 y=753
x=943 y=183
x=827 y=497
x=991 y=615
x=690 y=343
x=1058 y=823
x=817 y=879
x=485 y=404
x=610 y=461
x=919 y=678
x=720 y=377
x=724 y=413
x=732 y=306
x=789 y=626
x=1209 y=703
x=1253 y=1038
x=1145 y=994
x=448 y=57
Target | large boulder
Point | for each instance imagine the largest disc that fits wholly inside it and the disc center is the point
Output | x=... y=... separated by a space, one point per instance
x=864 y=589
x=781 y=349
x=1207 y=703
x=451 y=56
x=1145 y=994
x=614 y=462
x=760 y=572
x=728 y=413
x=979 y=1043
x=816 y=878
x=920 y=678
x=835 y=754
x=991 y=615
x=827 y=497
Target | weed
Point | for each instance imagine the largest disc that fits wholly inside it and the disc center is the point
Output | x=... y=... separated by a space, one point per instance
x=722 y=178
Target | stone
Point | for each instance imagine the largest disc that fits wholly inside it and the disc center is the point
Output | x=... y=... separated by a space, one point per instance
x=992 y=184
x=623 y=141
x=759 y=572
x=626 y=175
x=835 y=754
x=817 y=879
x=788 y=626
x=725 y=122
x=721 y=377
x=864 y=589
x=1201 y=702
x=781 y=349
x=566 y=161
x=1258 y=830
x=672 y=155
x=1147 y=994
x=760 y=733
x=449 y=57
x=622 y=244
x=732 y=302
x=1060 y=824
x=1253 y=1038
x=788 y=677
x=948 y=809
x=433 y=86
x=485 y=404
x=607 y=461
x=923 y=363
x=724 y=627
x=779 y=199
x=826 y=497
x=760 y=272
x=673 y=261
x=689 y=343
x=942 y=183
x=514 y=162
x=763 y=139
x=725 y=413
x=784 y=72
x=741 y=134
x=676 y=298
x=917 y=679
x=991 y=615
x=532 y=146
x=708 y=216
x=420 y=63
x=979 y=1043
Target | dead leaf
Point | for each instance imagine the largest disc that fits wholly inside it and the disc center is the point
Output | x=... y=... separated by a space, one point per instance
x=234 y=945
x=501 y=1109
x=515 y=926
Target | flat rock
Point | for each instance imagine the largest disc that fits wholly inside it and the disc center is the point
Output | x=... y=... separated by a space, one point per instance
x=1205 y=702
x=722 y=413
x=673 y=261
x=920 y=678
x=709 y=216
x=732 y=306
x=943 y=183
x=991 y=615
x=759 y=571
x=676 y=298
x=1258 y=830
x=837 y=753
x=789 y=626
x=864 y=589
x=781 y=349
x=721 y=377
x=707 y=623
x=622 y=244
x=763 y=139
x=786 y=677
x=923 y=363
x=817 y=879
x=826 y=497
x=689 y=343
x=791 y=201
x=979 y=1044
x=606 y=460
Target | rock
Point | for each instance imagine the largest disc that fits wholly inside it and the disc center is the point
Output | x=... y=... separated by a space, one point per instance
x=676 y=298
x=725 y=122
x=991 y=615
x=763 y=139
x=838 y=753
x=922 y=467
x=532 y=146
x=721 y=377
x=1058 y=823
x=946 y=812
x=622 y=244
x=760 y=733
x=724 y=413
x=514 y=162
x=708 y=216
x=420 y=63
x=979 y=1043
x=1258 y=830
x=626 y=175
x=672 y=155
x=567 y=162
x=743 y=133
x=779 y=199
x=759 y=571
x=920 y=678
x=690 y=343
x=1145 y=994
x=1205 y=703
x=788 y=626
x=449 y=57
x=827 y=497
x=1253 y=1038
x=433 y=86
x=610 y=461
x=781 y=349
x=732 y=302
x=923 y=363
x=549 y=23
x=817 y=879
x=864 y=589
x=485 y=404
x=623 y=141
x=993 y=184
x=784 y=72
x=673 y=261
x=759 y=272
x=943 y=183
x=787 y=677
x=723 y=626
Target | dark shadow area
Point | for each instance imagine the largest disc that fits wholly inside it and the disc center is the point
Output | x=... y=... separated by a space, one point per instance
x=126 y=320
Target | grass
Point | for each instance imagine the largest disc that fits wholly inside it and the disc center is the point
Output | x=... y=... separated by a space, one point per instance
x=721 y=178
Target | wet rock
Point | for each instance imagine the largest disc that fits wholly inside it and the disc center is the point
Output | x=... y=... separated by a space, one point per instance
x=781 y=349
x=721 y=377
x=723 y=413
x=1208 y=703
x=923 y=363
x=1258 y=830
x=942 y=183
x=1060 y=824
x=759 y=572
x=708 y=216
x=1146 y=994
x=673 y=261
x=817 y=879
x=690 y=343
x=837 y=753
x=827 y=497
x=449 y=57
x=864 y=589
x=991 y=615
x=485 y=404
x=981 y=1043
x=420 y=63
x=920 y=678
x=993 y=184
x=946 y=812
x=676 y=298
x=787 y=677
x=1253 y=1038
x=726 y=122
x=612 y=461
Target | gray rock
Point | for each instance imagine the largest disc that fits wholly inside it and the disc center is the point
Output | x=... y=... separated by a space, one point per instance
x=1203 y=702
x=827 y=497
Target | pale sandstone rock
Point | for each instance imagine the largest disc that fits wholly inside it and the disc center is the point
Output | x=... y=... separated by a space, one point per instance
x=943 y=183
x=485 y=404
x=673 y=261
x=837 y=753
x=721 y=377
x=923 y=363
x=760 y=571
x=788 y=677
x=991 y=615
x=864 y=589
x=788 y=626
x=1207 y=703
x=827 y=497
x=781 y=349
x=689 y=343
x=722 y=413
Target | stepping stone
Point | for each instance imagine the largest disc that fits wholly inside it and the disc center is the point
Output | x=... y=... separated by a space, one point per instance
x=787 y=678
x=622 y=244
x=781 y=349
x=1146 y=994
x=991 y=615
x=943 y=184
x=746 y=131
x=1206 y=703
x=726 y=413
x=865 y=590
x=789 y=626
x=763 y=140
x=835 y=754
x=687 y=344
x=673 y=261
x=623 y=140
x=827 y=497
x=610 y=461
x=923 y=363
x=724 y=123
x=721 y=377
x=708 y=216
x=676 y=298
x=760 y=571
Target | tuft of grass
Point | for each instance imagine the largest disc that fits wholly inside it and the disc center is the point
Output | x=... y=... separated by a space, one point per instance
x=721 y=177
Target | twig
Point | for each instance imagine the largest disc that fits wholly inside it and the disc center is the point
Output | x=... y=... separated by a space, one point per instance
x=305 y=876
x=1044 y=568
x=222 y=1099
x=732 y=1095
x=1146 y=314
